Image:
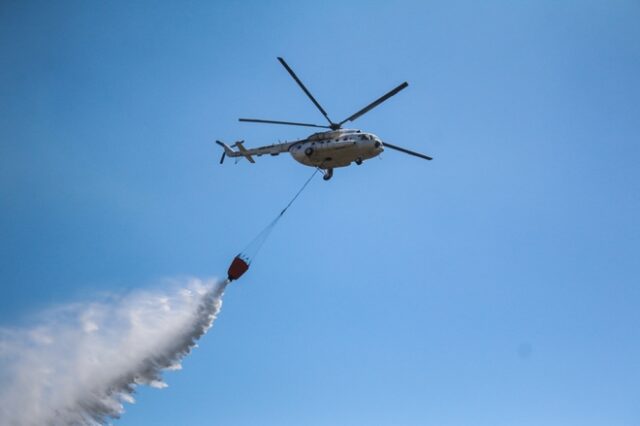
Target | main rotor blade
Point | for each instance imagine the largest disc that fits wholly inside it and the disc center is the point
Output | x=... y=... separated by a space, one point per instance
x=302 y=86
x=406 y=151
x=375 y=103
x=288 y=123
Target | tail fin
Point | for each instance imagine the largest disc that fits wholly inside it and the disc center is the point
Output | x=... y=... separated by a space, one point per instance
x=228 y=150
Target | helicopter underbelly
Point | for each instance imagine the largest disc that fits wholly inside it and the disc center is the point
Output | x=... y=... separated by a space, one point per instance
x=328 y=155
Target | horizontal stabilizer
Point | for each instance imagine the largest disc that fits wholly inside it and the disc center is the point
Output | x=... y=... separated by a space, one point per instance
x=244 y=151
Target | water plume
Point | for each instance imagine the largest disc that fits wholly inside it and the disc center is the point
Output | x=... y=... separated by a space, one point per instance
x=81 y=362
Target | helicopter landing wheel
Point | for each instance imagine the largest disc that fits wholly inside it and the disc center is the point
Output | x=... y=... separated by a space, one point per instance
x=359 y=161
x=328 y=174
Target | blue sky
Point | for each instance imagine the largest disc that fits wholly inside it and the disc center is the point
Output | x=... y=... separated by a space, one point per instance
x=495 y=285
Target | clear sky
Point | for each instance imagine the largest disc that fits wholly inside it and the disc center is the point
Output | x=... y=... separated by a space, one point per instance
x=496 y=285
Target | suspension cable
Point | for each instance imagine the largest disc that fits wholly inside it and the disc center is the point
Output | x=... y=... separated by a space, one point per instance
x=252 y=249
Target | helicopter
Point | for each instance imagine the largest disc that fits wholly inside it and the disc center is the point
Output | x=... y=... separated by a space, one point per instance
x=325 y=150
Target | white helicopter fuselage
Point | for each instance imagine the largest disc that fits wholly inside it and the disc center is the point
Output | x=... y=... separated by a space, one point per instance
x=336 y=148
x=324 y=150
